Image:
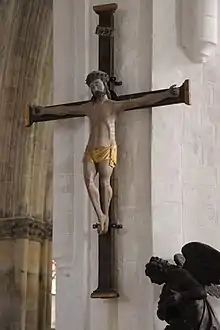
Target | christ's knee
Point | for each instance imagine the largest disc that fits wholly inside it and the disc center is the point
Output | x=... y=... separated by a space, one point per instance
x=89 y=182
x=105 y=184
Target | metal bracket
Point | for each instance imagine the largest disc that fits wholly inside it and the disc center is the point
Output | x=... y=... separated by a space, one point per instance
x=116 y=226
x=112 y=225
x=115 y=82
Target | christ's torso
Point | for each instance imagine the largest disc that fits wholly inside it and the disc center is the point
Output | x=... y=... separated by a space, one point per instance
x=102 y=124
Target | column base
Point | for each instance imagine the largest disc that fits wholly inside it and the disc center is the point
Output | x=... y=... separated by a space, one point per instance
x=25 y=275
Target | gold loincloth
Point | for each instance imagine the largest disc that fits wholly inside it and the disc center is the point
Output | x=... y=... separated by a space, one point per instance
x=100 y=154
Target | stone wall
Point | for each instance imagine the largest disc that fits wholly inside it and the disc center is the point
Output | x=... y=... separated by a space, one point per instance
x=185 y=146
x=75 y=243
x=183 y=174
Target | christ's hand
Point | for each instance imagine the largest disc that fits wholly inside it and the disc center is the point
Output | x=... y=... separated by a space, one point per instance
x=36 y=109
x=173 y=91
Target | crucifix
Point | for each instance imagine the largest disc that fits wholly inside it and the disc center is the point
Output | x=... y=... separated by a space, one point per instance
x=100 y=156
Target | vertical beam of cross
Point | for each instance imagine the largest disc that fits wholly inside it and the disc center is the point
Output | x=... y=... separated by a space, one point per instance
x=105 y=31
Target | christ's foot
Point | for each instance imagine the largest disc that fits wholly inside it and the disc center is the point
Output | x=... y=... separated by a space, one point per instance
x=103 y=225
x=106 y=225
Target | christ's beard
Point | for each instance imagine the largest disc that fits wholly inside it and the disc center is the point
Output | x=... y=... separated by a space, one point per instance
x=98 y=95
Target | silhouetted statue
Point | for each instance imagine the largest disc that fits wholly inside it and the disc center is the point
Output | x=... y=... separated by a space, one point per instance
x=183 y=300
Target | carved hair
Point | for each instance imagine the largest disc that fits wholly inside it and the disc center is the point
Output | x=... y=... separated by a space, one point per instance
x=158 y=264
x=103 y=76
x=97 y=75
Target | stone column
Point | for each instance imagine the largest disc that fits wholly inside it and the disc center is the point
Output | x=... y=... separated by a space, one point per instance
x=25 y=273
x=75 y=244
x=25 y=165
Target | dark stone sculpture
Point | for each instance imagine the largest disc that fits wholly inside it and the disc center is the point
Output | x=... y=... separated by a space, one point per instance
x=183 y=300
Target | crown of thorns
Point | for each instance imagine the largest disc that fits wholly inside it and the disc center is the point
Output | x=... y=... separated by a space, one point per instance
x=97 y=75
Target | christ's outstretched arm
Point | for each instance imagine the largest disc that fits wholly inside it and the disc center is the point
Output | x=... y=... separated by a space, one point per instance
x=60 y=110
x=147 y=100
x=35 y=113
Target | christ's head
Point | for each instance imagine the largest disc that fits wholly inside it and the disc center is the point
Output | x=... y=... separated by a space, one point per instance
x=98 y=83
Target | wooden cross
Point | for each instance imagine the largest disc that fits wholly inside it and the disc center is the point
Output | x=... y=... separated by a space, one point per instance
x=106 y=284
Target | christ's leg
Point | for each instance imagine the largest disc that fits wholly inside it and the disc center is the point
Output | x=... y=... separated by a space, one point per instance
x=90 y=172
x=105 y=172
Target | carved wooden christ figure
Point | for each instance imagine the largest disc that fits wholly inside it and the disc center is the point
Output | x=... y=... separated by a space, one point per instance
x=100 y=155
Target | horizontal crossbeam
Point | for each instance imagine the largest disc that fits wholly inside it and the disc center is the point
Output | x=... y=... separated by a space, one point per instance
x=32 y=113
